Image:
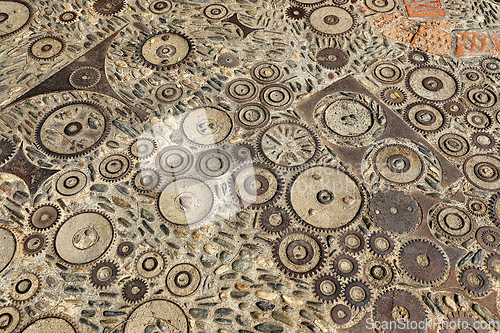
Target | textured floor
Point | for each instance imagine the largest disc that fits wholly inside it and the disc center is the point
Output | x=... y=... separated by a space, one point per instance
x=249 y=166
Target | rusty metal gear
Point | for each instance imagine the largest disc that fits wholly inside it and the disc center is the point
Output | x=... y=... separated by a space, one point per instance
x=34 y=244
x=493 y=265
x=115 y=167
x=169 y=93
x=418 y=58
x=165 y=50
x=108 y=7
x=482 y=97
x=104 y=274
x=388 y=73
x=266 y=72
x=142 y=148
x=453 y=223
x=381 y=244
x=454 y=108
x=215 y=11
x=146 y=180
x=134 y=290
x=341 y=314
x=160 y=7
x=125 y=249
x=67 y=17
x=150 y=264
x=489 y=238
x=379 y=273
x=399 y=164
x=494 y=208
x=332 y=58
x=7 y=150
x=426 y=118
x=327 y=288
x=397 y=305
x=288 y=145
x=395 y=212
x=453 y=145
x=46 y=48
x=16 y=15
x=490 y=65
x=352 y=241
x=85 y=77
x=472 y=76
x=275 y=220
x=477 y=207
x=296 y=13
x=228 y=60
x=256 y=185
x=394 y=96
x=345 y=266
x=432 y=84
x=318 y=202
x=331 y=21
x=299 y=253
x=244 y=153
x=423 y=261
x=44 y=217
x=357 y=294
x=475 y=281
x=308 y=3
x=24 y=287
x=88 y=127
x=484 y=140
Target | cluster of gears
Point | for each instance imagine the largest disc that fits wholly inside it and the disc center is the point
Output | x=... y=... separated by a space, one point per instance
x=345 y=193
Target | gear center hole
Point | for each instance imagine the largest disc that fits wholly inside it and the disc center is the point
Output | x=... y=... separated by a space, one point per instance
x=327 y=288
x=378 y=272
x=357 y=293
x=23 y=286
x=475 y=280
x=104 y=273
x=423 y=260
x=331 y=19
x=346 y=266
x=275 y=219
x=6 y=320
x=400 y=313
x=454 y=221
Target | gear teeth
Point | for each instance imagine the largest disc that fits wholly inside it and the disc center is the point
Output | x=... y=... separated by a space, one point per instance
x=134 y=298
x=260 y=149
x=41 y=237
x=282 y=266
x=154 y=150
x=485 y=70
x=34 y=57
x=351 y=302
x=296 y=13
x=105 y=133
x=344 y=277
x=303 y=4
x=120 y=177
x=271 y=228
x=333 y=295
x=413 y=55
x=421 y=281
x=398 y=91
x=294 y=214
x=410 y=89
x=7 y=150
x=35 y=293
x=95 y=270
x=478 y=213
x=117 y=10
x=139 y=56
x=490 y=120
x=391 y=246
x=272 y=201
x=492 y=208
x=153 y=189
x=493 y=145
x=62 y=20
x=354 y=22
x=30 y=224
x=445 y=124
x=484 y=277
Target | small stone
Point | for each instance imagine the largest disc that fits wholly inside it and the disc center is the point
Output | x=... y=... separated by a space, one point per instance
x=259 y=315
x=223 y=297
x=269 y=328
x=239 y=294
x=224 y=321
x=198 y=313
x=268 y=295
x=306 y=314
x=224 y=312
x=242 y=320
x=209 y=248
x=244 y=305
x=207 y=261
x=242 y=265
x=241 y=286
x=225 y=256
x=221 y=269
x=292 y=300
x=281 y=316
x=450 y=303
x=265 y=306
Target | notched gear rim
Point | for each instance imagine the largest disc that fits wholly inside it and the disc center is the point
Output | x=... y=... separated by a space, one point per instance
x=291 y=15
x=486 y=71
x=368 y=293
x=279 y=190
x=374 y=250
x=493 y=202
x=445 y=124
x=7 y=150
x=441 y=252
x=131 y=154
x=484 y=290
x=346 y=276
x=260 y=150
x=362 y=192
x=122 y=176
x=61 y=20
x=28 y=237
x=313 y=29
x=30 y=224
x=105 y=133
x=141 y=255
x=35 y=293
x=30 y=18
x=346 y=248
x=493 y=144
x=417 y=52
x=408 y=86
x=282 y=266
x=113 y=237
x=327 y=298
x=285 y=224
x=137 y=282
x=95 y=269
x=30 y=49
x=152 y=189
x=301 y=4
x=391 y=102
x=114 y=12
x=472 y=126
x=342 y=58
x=139 y=57
x=73 y=79
x=470 y=201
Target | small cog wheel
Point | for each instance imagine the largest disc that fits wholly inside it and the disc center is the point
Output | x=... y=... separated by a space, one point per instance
x=296 y=13
x=7 y=150
x=109 y=7
x=394 y=96
x=34 y=244
x=358 y=294
x=104 y=274
x=46 y=48
x=332 y=58
x=327 y=288
x=85 y=77
x=475 y=281
x=134 y=290
x=275 y=220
